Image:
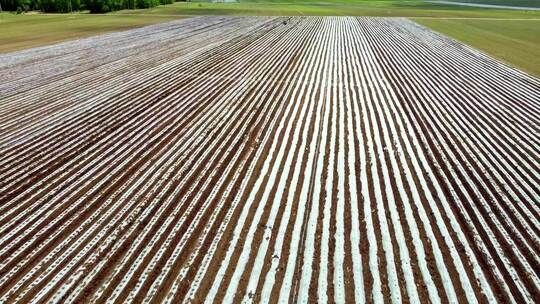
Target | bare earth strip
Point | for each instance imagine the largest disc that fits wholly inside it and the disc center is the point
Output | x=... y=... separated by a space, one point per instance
x=245 y=159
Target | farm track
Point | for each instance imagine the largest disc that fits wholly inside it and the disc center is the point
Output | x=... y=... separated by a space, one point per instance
x=266 y=159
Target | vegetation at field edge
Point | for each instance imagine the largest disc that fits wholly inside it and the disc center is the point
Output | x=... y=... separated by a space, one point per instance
x=516 y=42
x=33 y=30
x=338 y=8
x=69 y=6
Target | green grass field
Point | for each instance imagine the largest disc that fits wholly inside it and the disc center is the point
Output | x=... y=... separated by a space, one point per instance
x=524 y=3
x=332 y=8
x=515 y=41
x=19 y=32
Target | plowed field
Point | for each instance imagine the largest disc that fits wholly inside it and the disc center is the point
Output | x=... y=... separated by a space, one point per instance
x=256 y=159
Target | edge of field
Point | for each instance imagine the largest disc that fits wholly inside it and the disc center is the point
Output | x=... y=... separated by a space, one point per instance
x=37 y=30
x=503 y=34
x=514 y=42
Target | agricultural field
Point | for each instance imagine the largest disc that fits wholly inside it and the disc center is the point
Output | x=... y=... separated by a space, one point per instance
x=265 y=159
x=509 y=35
x=20 y=32
x=381 y=8
x=514 y=41
x=515 y=3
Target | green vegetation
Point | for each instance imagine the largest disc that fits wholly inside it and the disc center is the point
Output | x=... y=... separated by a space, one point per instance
x=32 y=30
x=524 y=3
x=515 y=41
x=13 y=5
x=499 y=38
x=105 y=6
x=56 y=6
x=334 y=8
x=67 y=6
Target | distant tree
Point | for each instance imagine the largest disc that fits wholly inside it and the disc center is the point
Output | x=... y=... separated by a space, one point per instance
x=130 y=4
x=49 y=6
x=60 y=6
x=147 y=3
x=66 y=6
x=105 y=6
x=10 y=5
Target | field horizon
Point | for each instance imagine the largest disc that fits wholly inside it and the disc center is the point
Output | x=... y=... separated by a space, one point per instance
x=270 y=151
x=504 y=34
x=257 y=159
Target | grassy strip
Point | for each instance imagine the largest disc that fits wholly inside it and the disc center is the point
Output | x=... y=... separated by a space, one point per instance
x=31 y=30
x=337 y=8
x=515 y=42
x=525 y=3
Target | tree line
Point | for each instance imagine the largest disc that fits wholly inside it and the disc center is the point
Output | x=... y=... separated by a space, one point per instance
x=66 y=6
